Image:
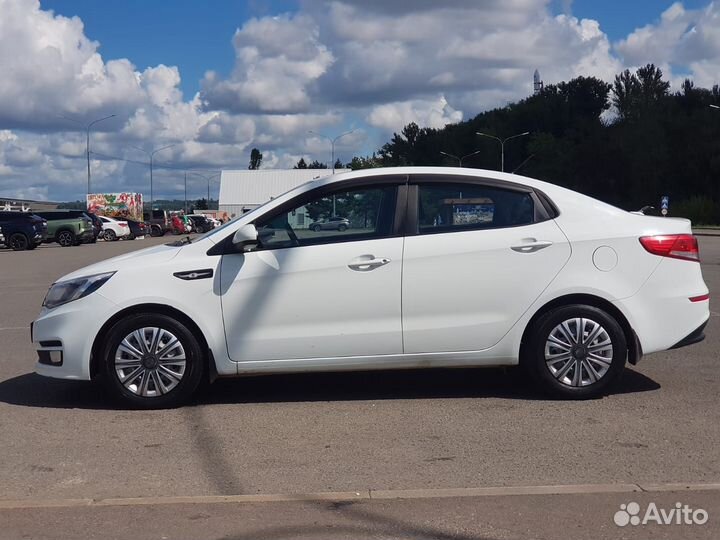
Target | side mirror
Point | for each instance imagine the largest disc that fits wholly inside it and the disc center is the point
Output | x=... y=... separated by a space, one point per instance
x=245 y=236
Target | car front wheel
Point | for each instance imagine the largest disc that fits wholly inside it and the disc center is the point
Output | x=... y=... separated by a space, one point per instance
x=152 y=361
x=575 y=351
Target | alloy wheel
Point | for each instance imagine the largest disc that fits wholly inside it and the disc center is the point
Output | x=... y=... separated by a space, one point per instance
x=65 y=239
x=150 y=362
x=18 y=242
x=578 y=352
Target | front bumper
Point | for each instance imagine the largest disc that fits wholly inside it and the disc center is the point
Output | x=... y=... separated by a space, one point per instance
x=87 y=236
x=64 y=336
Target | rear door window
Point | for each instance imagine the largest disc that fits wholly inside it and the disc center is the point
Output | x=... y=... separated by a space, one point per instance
x=445 y=207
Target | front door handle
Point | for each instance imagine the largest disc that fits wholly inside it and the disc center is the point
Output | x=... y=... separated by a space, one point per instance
x=532 y=247
x=363 y=263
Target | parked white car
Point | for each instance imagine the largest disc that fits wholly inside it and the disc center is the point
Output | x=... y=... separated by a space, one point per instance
x=114 y=229
x=441 y=268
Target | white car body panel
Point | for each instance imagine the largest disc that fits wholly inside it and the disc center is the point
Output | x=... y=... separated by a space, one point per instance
x=302 y=309
x=459 y=317
x=307 y=303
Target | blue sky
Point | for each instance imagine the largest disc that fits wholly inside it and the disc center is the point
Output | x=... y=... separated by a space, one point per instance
x=215 y=79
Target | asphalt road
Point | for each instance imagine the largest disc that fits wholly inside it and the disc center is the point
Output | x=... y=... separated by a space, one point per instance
x=345 y=433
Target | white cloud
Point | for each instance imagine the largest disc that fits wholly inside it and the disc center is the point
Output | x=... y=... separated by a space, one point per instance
x=683 y=41
x=278 y=58
x=431 y=113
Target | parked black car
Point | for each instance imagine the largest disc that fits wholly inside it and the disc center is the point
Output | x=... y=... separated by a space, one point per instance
x=22 y=230
x=137 y=228
x=200 y=223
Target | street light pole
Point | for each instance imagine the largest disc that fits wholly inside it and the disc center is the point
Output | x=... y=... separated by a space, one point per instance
x=502 y=145
x=461 y=158
x=332 y=144
x=152 y=156
x=87 y=140
x=207 y=178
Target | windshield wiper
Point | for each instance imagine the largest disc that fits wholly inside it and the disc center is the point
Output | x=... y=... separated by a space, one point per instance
x=179 y=243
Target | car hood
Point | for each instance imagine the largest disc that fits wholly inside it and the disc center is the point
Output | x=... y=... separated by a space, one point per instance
x=144 y=257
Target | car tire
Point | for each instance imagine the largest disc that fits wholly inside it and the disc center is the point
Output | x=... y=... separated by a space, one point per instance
x=155 y=231
x=151 y=382
x=575 y=351
x=18 y=242
x=65 y=238
x=109 y=235
x=315 y=228
x=342 y=227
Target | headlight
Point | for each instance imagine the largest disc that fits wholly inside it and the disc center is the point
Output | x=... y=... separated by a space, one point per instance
x=63 y=292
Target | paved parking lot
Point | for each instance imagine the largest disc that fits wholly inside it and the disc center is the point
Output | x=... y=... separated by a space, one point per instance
x=345 y=432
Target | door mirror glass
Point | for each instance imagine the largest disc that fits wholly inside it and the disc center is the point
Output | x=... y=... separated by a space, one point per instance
x=245 y=236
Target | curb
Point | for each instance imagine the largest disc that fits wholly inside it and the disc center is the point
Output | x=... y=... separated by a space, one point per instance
x=368 y=494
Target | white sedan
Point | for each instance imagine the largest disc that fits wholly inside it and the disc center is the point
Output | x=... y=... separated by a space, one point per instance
x=438 y=268
x=114 y=229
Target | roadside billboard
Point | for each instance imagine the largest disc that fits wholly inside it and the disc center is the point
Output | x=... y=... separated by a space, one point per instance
x=117 y=205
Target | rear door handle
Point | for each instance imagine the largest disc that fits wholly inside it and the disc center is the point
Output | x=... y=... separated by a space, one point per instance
x=363 y=263
x=532 y=247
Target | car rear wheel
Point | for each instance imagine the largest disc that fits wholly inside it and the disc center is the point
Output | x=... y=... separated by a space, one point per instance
x=66 y=238
x=109 y=235
x=152 y=361
x=342 y=227
x=18 y=242
x=575 y=351
x=156 y=231
x=315 y=228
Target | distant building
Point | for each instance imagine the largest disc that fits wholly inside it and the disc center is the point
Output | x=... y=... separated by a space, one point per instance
x=537 y=83
x=243 y=190
x=26 y=205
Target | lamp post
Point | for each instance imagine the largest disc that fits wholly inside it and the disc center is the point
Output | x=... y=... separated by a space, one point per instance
x=207 y=178
x=332 y=144
x=87 y=140
x=461 y=158
x=502 y=144
x=152 y=155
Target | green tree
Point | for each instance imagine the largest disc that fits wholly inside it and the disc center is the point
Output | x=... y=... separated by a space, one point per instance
x=301 y=164
x=255 y=159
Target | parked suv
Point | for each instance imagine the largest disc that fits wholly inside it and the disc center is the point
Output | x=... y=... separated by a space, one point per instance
x=22 y=230
x=332 y=224
x=67 y=228
x=159 y=221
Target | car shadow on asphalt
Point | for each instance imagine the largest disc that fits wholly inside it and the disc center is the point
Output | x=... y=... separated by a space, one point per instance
x=32 y=390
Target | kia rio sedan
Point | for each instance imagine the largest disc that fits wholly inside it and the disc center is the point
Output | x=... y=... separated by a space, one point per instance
x=438 y=268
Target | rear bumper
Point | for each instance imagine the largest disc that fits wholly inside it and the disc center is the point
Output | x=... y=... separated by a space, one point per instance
x=666 y=312
x=696 y=336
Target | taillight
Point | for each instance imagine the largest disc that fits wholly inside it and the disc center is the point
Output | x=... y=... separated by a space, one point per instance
x=676 y=246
